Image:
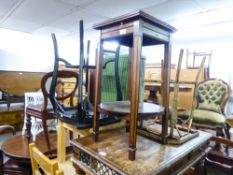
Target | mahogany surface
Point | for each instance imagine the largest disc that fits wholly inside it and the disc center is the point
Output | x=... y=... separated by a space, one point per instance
x=16 y=147
x=132 y=16
x=151 y=158
x=123 y=108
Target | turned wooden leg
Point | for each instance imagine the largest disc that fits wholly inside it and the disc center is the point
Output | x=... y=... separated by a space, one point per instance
x=95 y=131
x=219 y=133
x=1 y=162
x=28 y=127
x=227 y=130
x=45 y=128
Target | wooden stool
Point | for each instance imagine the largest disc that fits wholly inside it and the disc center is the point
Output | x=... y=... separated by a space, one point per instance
x=62 y=137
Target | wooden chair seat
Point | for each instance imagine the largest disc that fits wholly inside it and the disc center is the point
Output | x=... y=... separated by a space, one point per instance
x=39 y=112
x=36 y=111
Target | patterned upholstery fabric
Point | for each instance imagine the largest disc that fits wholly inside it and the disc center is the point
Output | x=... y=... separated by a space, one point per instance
x=211 y=96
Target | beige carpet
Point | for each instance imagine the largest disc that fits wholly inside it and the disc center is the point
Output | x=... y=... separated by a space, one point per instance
x=68 y=167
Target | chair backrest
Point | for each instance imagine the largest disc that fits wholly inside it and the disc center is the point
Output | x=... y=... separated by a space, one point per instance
x=61 y=75
x=57 y=107
x=213 y=95
x=115 y=79
x=194 y=58
x=41 y=162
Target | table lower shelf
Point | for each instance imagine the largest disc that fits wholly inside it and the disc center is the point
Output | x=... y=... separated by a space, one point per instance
x=153 y=131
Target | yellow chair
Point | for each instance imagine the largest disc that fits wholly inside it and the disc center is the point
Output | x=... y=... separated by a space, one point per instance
x=40 y=162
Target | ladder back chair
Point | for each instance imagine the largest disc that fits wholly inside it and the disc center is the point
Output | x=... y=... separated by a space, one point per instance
x=40 y=162
x=193 y=58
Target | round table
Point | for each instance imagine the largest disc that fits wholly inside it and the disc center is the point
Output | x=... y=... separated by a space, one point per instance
x=123 y=108
x=17 y=148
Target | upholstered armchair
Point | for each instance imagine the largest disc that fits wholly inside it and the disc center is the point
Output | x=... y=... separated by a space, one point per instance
x=211 y=98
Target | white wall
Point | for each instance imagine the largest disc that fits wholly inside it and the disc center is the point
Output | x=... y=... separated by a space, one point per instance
x=26 y=52
x=218 y=38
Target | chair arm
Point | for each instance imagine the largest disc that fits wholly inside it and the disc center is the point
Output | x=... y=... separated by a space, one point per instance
x=7 y=127
x=222 y=140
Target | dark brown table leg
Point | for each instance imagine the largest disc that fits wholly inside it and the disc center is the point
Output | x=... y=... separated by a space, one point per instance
x=28 y=127
x=153 y=97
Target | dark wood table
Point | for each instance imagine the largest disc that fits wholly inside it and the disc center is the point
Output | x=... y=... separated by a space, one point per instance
x=109 y=155
x=123 y=108
x=17 y=148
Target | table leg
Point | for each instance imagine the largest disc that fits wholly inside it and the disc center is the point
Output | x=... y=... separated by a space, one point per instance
x=61 y=142
x=153 y=97
x=28 y=127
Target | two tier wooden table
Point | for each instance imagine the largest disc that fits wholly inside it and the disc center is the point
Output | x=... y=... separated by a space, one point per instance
x=134 y=31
